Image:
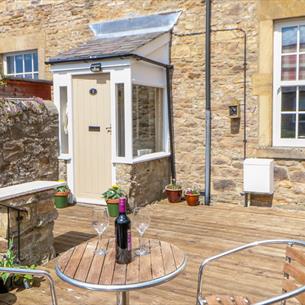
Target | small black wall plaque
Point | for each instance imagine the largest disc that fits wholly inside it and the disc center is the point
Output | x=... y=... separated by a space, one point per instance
x=96 y=67
x=93 y=91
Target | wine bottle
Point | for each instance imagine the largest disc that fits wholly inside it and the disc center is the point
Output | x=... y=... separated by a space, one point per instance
x=123 y=235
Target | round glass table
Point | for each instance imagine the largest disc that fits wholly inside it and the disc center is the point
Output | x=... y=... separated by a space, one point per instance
x=81 y=267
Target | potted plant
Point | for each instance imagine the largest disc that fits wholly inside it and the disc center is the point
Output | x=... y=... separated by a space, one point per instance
x=9 y=281
x=61 y=196
x=112 y=196
x=173 y=191
x=192 y=196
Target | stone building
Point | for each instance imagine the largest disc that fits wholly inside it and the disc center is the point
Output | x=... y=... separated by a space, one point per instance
x=33 y=32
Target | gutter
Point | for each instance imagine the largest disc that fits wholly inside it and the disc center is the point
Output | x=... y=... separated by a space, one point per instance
x=119 y=56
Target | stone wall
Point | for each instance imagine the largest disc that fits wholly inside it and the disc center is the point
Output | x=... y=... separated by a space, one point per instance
x=144 y=182
x=36 y=226
x=28 y=141
x=60 y=25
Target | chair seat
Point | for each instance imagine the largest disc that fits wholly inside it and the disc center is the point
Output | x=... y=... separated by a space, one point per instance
x=226 y=300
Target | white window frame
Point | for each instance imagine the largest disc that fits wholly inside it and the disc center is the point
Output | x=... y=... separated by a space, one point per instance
x=21 y=74
x=278 y=83
x=165 y=132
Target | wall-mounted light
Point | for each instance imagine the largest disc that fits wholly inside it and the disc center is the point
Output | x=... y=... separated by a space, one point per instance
x=96 y=67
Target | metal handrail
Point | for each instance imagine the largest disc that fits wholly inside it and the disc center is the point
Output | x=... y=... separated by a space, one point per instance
x=18 y=219
x=284 y=296
x=42 y=273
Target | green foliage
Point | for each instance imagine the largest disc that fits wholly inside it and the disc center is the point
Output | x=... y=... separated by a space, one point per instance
x=3 y=81
x=173 y=186
x=114 y=192
x=8 y=260
x=192 y=191
x=63 y=188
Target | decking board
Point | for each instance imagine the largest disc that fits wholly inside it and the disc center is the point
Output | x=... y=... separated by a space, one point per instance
x=200 y=232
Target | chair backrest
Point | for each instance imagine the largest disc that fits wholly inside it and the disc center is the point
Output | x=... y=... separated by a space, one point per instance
x=294 y=271
x=35 y=272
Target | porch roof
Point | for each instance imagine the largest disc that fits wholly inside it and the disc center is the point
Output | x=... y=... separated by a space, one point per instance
x=121 y=37
x=100 y=48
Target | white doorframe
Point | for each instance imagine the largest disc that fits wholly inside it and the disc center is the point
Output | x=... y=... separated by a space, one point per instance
x=62 y=76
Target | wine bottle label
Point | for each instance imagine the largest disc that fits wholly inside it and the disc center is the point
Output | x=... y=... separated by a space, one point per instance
x=129 y=240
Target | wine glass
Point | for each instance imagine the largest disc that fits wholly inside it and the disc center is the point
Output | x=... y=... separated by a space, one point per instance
x=141 y=220
x=100 y=222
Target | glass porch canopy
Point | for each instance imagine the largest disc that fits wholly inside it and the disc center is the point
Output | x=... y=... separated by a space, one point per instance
x=135 y=53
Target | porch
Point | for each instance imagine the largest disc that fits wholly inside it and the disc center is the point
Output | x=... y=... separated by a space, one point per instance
x=200 y=232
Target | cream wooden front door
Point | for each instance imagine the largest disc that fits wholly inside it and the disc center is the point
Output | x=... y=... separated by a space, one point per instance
x=92 y=136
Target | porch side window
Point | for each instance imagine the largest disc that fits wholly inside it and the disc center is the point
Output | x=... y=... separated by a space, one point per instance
x=289 y=79
x=120 y=119
x=147 y=120
x=64 y=140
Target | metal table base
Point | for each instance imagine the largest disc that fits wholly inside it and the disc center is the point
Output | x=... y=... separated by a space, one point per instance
x=122 y=298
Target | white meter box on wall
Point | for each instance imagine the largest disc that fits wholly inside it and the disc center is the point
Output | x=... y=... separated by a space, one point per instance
x=258 y=176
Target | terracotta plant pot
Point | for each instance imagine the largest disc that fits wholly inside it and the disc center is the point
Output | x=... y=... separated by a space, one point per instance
x=61 y=199
x=113 y=207
x=192 y=199
x=173 y=196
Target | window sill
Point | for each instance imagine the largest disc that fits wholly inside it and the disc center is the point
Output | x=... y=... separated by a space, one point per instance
x=144 y=158
x=64 y=157
x=289 y=153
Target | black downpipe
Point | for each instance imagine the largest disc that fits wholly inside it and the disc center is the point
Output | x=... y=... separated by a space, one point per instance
x=169 y=107
x=170 y=123
x=207 y=197
x=243 y=32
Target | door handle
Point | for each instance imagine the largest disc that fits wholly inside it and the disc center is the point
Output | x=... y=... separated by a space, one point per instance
x=108 y=129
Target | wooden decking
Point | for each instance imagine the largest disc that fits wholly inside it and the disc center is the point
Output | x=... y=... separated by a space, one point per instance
x=200 y=232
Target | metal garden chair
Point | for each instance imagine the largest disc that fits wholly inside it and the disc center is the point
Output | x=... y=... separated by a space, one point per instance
x=293 y=282
x=42 y=273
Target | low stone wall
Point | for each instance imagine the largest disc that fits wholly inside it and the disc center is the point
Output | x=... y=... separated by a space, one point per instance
x=37 y=213
x=28 y=141
x=144 y=182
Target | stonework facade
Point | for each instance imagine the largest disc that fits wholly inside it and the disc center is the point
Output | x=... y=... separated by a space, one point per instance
x=144 y=182
x=60 y=25
x=28 y=141
x=37 y=215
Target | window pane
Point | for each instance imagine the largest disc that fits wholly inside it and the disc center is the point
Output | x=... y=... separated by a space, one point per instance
x=302 y=38
x=302 y=66
x=27 y=75
x=288 y=99
x=19 y=63
x=302 y=98
x=120 y=107
x=301 y=126
x=35 y=59
x=289 y=67
x=289 y=39
x=288 y=125
x=147 y=114
x=10 y=64
x=28 y=62
x=35 y=75
x=64 y=145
